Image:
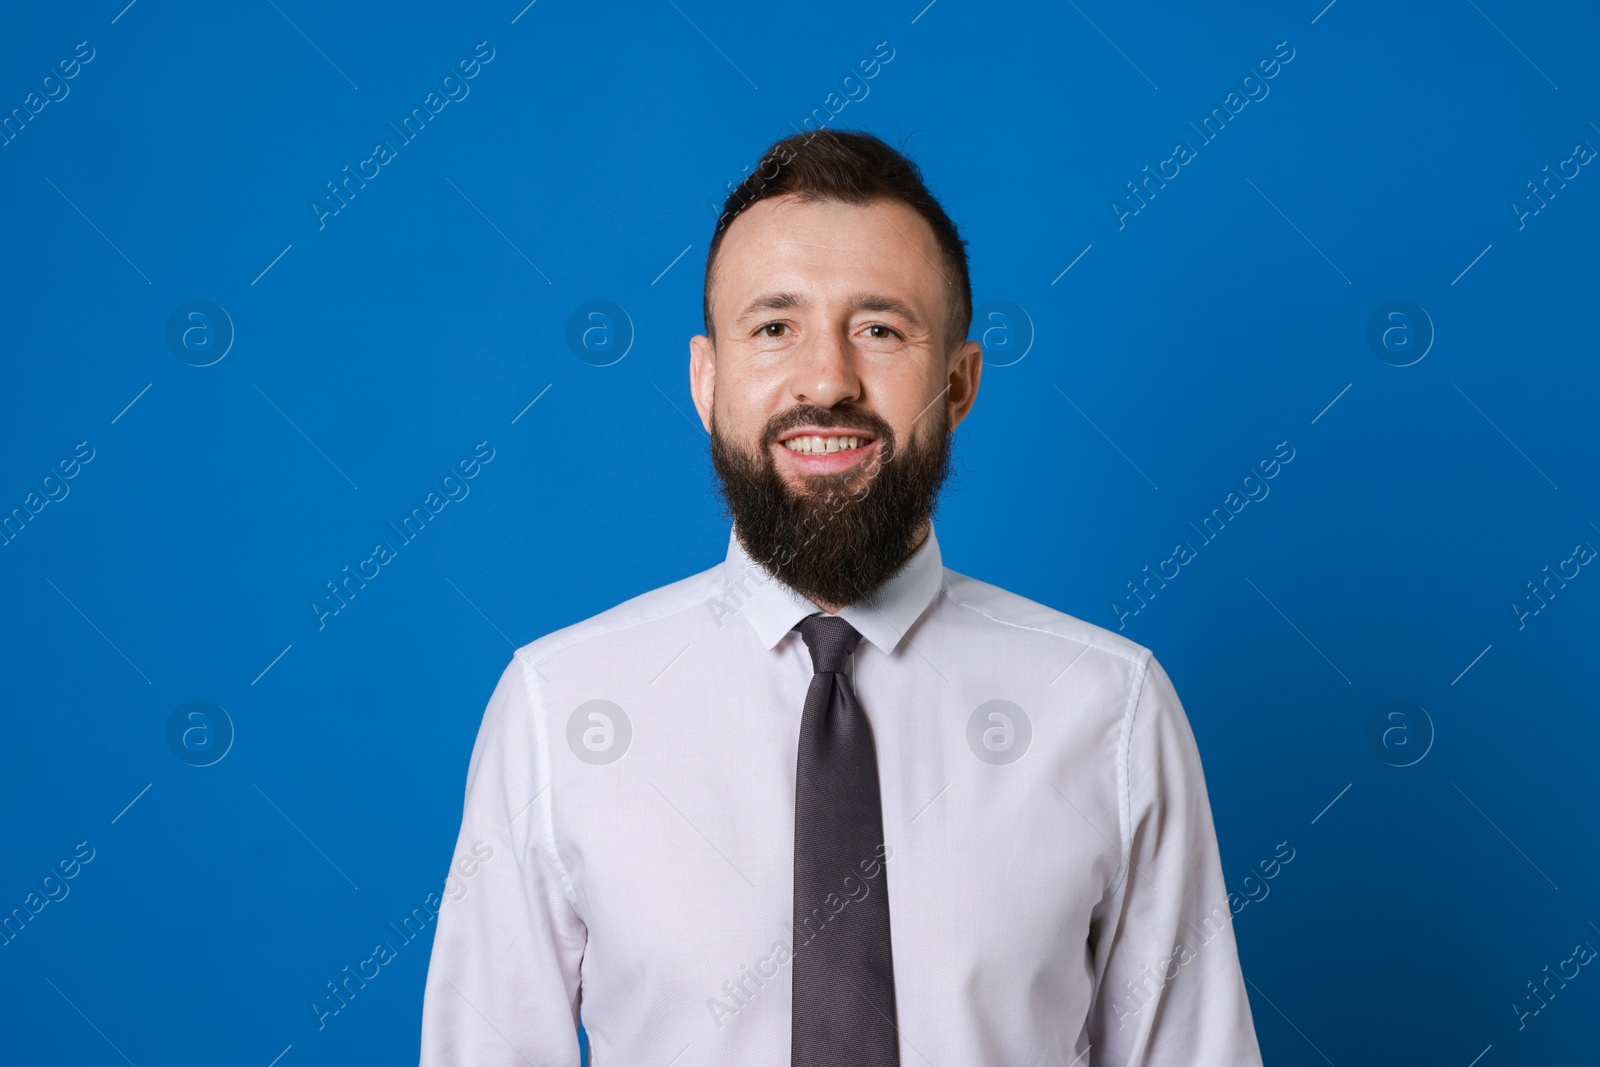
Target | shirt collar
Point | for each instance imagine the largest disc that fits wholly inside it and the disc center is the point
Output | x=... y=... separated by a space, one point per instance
x=772 y=608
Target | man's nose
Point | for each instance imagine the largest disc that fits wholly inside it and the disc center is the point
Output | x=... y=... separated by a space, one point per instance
x=826 y=373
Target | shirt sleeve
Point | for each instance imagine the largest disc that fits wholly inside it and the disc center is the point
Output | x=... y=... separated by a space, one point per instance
x=1170 y=990
x=503 y=980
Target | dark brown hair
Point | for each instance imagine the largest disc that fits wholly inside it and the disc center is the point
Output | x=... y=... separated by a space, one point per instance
x=854 y=168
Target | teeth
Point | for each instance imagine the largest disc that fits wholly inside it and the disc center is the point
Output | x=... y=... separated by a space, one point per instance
x=817 y=445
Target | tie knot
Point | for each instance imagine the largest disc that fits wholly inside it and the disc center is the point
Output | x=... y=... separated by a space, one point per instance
x=831 y=641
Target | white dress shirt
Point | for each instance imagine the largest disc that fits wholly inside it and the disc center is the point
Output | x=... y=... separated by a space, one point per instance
x=627 y=845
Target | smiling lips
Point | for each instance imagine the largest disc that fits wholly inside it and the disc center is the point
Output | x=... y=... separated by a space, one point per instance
x=818 y=453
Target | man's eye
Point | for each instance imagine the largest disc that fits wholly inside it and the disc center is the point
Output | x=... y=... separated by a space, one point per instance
x=887 y=331
x=773 y=326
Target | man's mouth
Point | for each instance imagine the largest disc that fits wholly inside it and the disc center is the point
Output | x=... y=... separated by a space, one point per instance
x=815 y=452
x=816 y=444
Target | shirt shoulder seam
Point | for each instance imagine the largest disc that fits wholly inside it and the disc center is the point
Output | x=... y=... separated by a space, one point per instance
x=547 y=808
x=1136 y=682
x=688 y=593
x=1133 y=658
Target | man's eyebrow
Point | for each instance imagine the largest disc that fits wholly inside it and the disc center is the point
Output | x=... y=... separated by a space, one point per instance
x=874 y=302
x=782 y=301
x=770 y=302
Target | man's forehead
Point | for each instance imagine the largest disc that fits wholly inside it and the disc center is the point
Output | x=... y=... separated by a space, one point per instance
x=883 y=246
x=828 y=223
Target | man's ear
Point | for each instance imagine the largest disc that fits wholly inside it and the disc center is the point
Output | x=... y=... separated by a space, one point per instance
x=703 y=376
x=966 y=367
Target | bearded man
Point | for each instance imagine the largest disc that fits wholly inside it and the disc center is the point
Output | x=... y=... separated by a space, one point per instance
x=830 y=803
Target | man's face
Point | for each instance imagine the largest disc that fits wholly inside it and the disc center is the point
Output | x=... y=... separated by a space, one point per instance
x=830 y=392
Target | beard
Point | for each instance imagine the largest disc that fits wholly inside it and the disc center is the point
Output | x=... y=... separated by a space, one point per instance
x=844 y=535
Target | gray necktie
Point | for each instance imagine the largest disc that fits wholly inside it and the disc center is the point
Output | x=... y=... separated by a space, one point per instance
x=844 y=1007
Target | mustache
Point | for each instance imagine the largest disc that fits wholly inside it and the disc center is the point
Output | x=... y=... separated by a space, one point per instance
x=842 y=417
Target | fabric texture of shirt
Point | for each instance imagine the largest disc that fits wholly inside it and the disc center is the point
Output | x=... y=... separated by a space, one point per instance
x=627 y=841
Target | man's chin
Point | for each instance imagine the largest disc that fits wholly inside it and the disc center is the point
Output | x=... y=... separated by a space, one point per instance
x=822 y=488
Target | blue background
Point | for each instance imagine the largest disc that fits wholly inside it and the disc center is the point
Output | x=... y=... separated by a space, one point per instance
x=371 y=354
